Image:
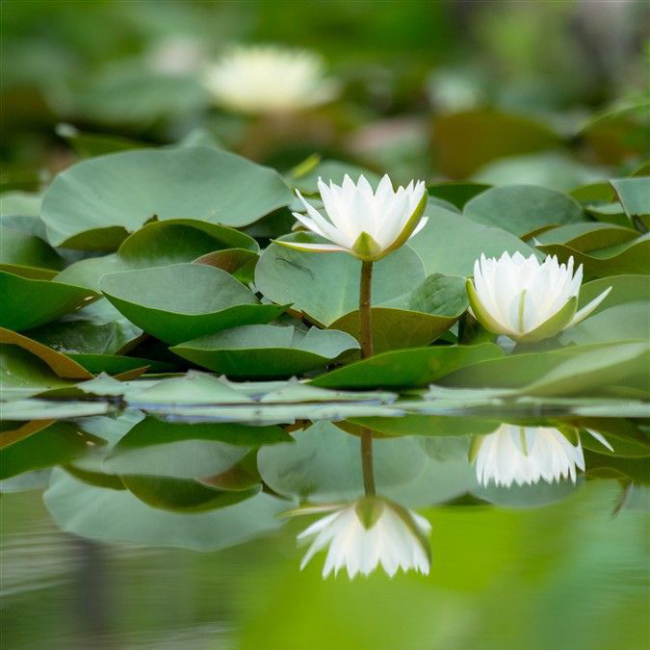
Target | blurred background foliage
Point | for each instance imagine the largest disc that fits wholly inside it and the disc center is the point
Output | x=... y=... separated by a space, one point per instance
x=554 y=92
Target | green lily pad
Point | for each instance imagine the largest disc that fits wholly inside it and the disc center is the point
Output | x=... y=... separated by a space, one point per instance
x=96 y=329
x=394 y=329
x=634 y=195
x=20 y=204
x=628 y=258
x=266 y=350
x=97 y=202
x=239 y=262
x=458 y=193
x=28 y=303
x=182 y=302
x=116 y=364
x=118 y=516
x=326 y=285
x=407 y=368
x=586 y=237
x=450 y=243
x=28 y=255
x=523 y=209
x=625 y=288
x=575 y=370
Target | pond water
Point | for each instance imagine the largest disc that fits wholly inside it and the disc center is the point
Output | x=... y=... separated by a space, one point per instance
x=161 y=527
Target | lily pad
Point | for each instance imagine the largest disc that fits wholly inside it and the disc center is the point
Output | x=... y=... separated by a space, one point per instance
x=634 y=195
x=586 y=237
x=118 y=516
x=450 y=243
x=28 y=303
x=61 y=365
x=581 y=369
x=326 y=286
x=523 y=209
x=630 y=257
x=394 y=329
x=407 y=368
x=97 y=202
x=28 y=255
x=182 y=302
x=266 y=350
x=458 y=193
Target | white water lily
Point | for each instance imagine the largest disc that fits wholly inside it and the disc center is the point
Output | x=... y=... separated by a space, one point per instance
x=369 y=532
x=526 y=300
x=527 y=455
x=368 y=224
x=269 y=79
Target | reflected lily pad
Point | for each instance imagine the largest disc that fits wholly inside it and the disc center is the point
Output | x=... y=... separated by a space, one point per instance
x=118 y=516
x=182 y=302
x=266 y=350
x=94 y=204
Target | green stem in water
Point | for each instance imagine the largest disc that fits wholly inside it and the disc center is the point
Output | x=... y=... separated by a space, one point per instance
x=365 y=332
x=365 y=336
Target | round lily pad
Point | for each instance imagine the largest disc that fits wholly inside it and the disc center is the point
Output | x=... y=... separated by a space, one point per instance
x=182 y=302
x=96 y=203
x=266 y=350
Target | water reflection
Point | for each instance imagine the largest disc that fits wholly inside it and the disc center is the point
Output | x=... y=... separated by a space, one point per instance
x=213 y=484
x=525 y=455
x=369 y=532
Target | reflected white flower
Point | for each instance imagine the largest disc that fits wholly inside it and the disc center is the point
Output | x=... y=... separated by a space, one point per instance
x=527 y=455
x=269 y=79
x=176 y=56
x=368 y=224
x=526 y=300
x=369 y=532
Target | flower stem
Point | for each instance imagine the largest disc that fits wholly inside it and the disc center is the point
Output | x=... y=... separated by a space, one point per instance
x=365 y=336
x=365 y=331
x=367 y=465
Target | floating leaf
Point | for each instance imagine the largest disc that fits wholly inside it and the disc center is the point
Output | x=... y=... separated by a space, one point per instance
x=630 y=257
x=458 y=193
x=586 y=237
x=96 y=203
x=407 y=368
x=62 y=365
x=266 y=350
x=523 y=209
x=326 y=286
x=28 y=303
x=450 y=243
x=184 y=301
x=634 y=195
x=394 y=329
x=27 y=255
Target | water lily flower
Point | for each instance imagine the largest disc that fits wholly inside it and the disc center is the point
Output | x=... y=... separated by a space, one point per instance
x=527 y=455
x=368 y=532
x=526 y=300
x=368 y=224
x=269 y=79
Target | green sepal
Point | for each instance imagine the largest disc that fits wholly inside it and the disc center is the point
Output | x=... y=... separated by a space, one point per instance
x=474 y=447
x=554 y=325
x=366 y=248
x=482 y=315
x=369 y=510
x=410 y=226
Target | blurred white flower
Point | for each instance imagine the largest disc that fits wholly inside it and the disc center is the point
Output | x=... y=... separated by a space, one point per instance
x=176 y=56
x=369 y=532
x=269 y=79
x=526 y=300
x=368 y=224
x=527 y=455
